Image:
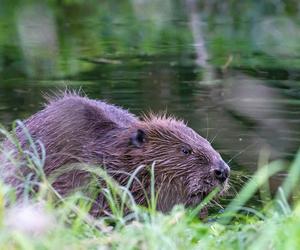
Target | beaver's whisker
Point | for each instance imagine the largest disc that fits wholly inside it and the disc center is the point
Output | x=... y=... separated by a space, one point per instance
x=207 y=127
x=212 y=140
x=242 y=151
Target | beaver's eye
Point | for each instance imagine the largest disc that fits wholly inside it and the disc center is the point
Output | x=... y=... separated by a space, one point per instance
x=202 y=159
x=185 y=150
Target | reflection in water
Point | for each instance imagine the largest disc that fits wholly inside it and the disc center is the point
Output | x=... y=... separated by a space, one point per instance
x=246 y=98
x=37 y=36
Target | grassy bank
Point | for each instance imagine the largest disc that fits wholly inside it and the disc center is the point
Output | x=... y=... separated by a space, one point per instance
x=48 y=221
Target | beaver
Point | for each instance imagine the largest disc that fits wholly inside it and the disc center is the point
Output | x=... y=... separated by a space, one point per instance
x=76 y=129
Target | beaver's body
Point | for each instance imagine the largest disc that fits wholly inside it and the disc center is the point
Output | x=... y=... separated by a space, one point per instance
x=77 y=129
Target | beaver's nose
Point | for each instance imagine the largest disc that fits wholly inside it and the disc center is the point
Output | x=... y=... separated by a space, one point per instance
x=222 y=171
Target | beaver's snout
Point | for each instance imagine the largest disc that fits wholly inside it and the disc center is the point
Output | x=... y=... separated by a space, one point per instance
x=222 y=171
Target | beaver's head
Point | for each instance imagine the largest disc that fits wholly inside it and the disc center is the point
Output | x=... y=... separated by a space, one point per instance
x=187 y=168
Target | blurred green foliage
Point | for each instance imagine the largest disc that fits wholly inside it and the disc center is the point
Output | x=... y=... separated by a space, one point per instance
x=49 y=39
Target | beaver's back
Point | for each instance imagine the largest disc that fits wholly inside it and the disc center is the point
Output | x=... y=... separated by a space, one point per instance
x=67 y=127
x=74 y=109
x=70 y=123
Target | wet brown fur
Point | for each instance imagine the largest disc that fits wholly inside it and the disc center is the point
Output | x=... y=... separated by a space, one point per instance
x=74 y=129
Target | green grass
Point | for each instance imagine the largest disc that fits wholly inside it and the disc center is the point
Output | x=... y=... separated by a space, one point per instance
x=48 y=221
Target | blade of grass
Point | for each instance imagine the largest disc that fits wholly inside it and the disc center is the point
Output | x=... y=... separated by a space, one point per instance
x=292 y=178
x=249 y=189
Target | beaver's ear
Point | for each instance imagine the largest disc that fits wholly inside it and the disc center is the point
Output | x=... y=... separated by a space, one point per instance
x=138 y=138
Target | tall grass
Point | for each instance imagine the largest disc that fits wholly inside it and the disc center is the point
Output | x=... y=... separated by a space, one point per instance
x=45 y=220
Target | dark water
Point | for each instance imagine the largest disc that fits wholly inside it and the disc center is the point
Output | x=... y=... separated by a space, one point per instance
x=146 y=55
